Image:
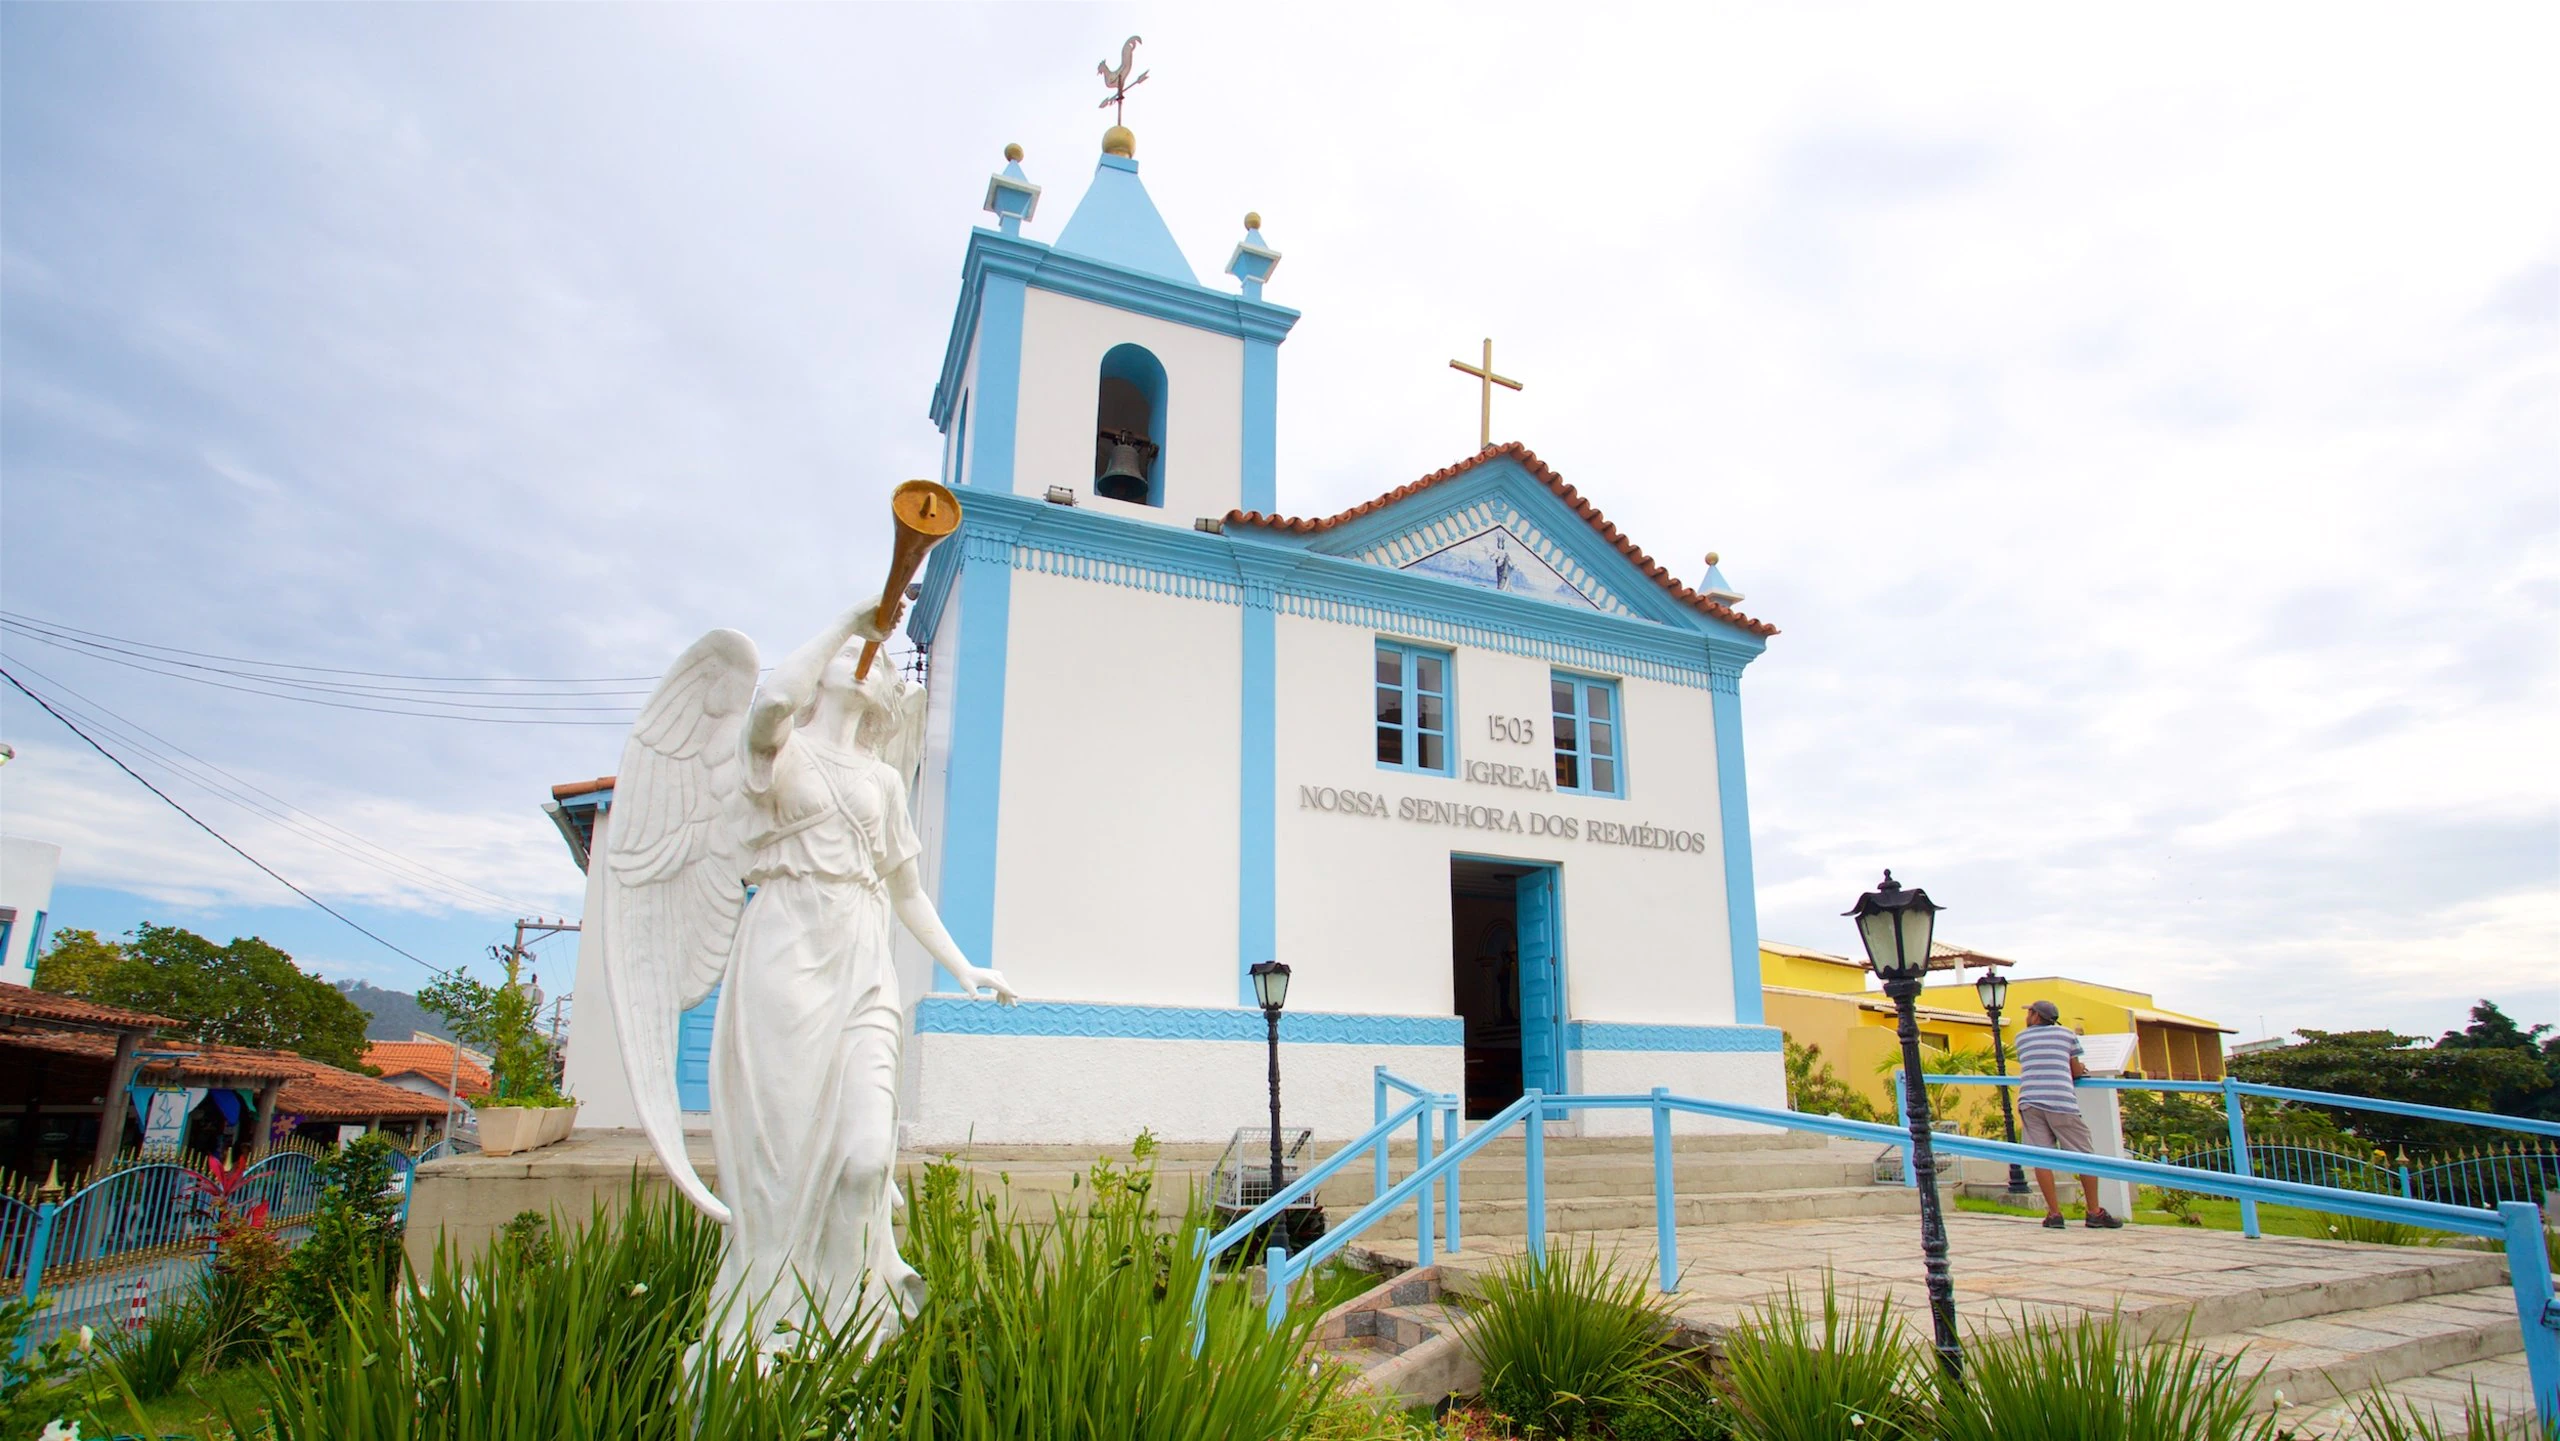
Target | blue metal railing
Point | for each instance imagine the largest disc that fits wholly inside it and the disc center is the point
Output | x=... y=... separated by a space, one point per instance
x=2517 y=1224
x=2522 y=1170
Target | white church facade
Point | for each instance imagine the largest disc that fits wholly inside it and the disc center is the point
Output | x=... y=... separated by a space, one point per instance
x=1463 y=756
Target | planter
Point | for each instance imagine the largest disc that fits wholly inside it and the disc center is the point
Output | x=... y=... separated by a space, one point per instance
x=556 y=1121
x=505 y=1130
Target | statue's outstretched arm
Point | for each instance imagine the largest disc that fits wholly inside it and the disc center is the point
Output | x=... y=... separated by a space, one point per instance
x=915 y=912
x=793 y=688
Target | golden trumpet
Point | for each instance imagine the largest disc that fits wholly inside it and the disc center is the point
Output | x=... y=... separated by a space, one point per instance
x=925 y=514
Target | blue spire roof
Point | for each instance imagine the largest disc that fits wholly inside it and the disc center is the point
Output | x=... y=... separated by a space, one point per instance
x=1117 y=224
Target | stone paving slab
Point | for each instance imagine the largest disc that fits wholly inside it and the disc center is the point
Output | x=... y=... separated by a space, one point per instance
x=2308 y=1310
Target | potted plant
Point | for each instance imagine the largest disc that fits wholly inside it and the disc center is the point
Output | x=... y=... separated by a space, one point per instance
x=526 y=1109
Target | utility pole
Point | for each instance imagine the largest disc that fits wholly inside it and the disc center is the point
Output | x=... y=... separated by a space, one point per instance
x=513 y=958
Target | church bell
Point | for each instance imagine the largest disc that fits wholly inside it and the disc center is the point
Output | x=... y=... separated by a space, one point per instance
x=1124 y=471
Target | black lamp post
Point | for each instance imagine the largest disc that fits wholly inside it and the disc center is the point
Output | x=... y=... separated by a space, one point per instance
x=1993 y=988
x=1895 y=925
x=1271 y=989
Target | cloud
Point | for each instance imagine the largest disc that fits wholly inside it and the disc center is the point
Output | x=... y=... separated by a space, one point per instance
x=2138 y=425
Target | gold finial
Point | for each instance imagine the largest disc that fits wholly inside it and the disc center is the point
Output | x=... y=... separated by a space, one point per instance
x=1253 y=220
x=1120 y=140
x=51 y=1190
x=1013 y=153
x=1714 y=559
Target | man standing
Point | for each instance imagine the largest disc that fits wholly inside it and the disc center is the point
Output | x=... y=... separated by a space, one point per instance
x=2049 y=1108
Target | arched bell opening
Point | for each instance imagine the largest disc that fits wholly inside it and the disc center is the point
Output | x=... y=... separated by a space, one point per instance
x=1128 y=443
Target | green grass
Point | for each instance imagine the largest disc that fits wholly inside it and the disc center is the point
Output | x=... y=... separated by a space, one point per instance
x=2213 y=1213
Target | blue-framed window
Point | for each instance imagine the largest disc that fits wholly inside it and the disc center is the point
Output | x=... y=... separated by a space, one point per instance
x=1413 y=709
x=1590 y=735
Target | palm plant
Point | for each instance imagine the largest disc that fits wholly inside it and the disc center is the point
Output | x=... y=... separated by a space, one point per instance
x=1843 y=1369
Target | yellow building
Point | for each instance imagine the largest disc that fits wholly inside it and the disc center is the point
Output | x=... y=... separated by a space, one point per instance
x=1829 y=1001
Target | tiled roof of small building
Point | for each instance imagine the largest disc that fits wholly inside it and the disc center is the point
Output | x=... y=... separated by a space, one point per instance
x=25 y=1003
x=438 y=1061
x=1528 y=460
x=312 y=1089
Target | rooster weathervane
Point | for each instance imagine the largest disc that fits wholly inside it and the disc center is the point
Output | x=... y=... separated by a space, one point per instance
x=1119 y=80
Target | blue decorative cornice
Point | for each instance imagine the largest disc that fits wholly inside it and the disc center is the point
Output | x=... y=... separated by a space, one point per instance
x=1085 y=278
x=1632 y=1036
x=958 y=1016
x=1234 y=569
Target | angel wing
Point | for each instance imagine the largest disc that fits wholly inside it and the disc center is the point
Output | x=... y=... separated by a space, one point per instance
x=674 y=880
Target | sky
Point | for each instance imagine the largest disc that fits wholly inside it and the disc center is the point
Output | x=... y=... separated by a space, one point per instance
x=2141 y=427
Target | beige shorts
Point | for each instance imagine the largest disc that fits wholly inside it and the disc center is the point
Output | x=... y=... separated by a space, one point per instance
x=2055 y=1130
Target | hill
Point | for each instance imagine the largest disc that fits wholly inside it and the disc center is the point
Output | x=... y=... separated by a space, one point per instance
x=395 y=1014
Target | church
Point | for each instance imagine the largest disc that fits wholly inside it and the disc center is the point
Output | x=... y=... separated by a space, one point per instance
x=1463 y=756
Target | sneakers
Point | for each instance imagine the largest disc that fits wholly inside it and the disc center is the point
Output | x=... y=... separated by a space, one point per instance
x=2098 y=1221
x=2055 y=1222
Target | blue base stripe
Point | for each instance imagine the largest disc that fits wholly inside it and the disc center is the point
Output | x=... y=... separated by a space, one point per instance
x=958 y=1016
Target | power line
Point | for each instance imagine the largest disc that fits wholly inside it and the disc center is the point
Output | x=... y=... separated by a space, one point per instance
x=226 y=841
x=24 y=618
x=627 y=713
x=383 y=858
x=73 y=640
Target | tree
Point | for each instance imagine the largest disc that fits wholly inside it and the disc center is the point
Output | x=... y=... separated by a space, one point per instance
x=1814 y=1090
x=502 y=1020
x=2492 y=1030
x=246 y=993
x=2390 y=1067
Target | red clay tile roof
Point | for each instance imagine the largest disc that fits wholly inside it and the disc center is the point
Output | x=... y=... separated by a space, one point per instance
x=1554 y=482
x=567 y=789
x=311 y=1088
x=24 y=1003
x=434 y=1060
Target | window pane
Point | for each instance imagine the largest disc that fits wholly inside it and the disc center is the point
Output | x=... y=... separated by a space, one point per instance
x=1390 y=667
x=1426 y=713
x=1390 y=745
x=1599 y=697
x=1568 y=770
x=1390 y=707
x=1566 y=741
x=1563 y=692
x=1604 y=776
x=1429 y=757
x=1427 y=676
x=1604 y=741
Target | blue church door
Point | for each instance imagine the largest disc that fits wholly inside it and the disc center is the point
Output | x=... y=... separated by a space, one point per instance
x=693 y=1054
x=1541 y=983
x=1506 y=984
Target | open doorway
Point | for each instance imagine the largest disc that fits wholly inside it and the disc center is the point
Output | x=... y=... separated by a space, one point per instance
x=1504 y=978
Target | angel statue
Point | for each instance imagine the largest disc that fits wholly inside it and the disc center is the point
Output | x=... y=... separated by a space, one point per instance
x=760 y=846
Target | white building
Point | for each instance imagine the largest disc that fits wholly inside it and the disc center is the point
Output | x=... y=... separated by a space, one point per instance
x=1463 y=756
x=26 y=893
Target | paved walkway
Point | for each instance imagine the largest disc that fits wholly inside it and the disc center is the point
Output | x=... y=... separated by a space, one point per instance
x=2324 y=1317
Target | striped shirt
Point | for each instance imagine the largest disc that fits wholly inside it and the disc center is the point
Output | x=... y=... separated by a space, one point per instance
x=2045 y=1054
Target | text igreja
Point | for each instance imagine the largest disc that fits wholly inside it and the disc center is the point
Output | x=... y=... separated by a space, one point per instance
x=1463 y=816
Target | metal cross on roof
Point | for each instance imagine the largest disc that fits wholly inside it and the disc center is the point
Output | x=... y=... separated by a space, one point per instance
x=1485 y=376
x=1119 y=80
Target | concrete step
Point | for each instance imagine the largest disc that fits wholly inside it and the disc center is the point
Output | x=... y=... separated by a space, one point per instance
x=2341 y=1353
x=1570 y=1214
x=2502 y=1383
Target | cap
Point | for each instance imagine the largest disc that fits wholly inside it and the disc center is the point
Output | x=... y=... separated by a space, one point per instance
x=2046 y=1009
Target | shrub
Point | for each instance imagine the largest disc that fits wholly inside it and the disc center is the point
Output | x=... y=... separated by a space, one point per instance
x=2380 y=1418
x=1568 y=1343
x=233 y=1296
x=354 y=1246
x=37 y=1387
x=1069 y=1327
x=2078 y=1381
x=1789 y=1377
x=153 y=1361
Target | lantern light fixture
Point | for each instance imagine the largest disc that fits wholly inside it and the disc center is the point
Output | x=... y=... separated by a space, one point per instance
x=1896 y=924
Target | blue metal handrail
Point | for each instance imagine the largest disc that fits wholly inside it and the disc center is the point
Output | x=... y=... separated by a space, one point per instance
x=2231 y=1090
x=2517 y=1224
x=1211 y=1247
